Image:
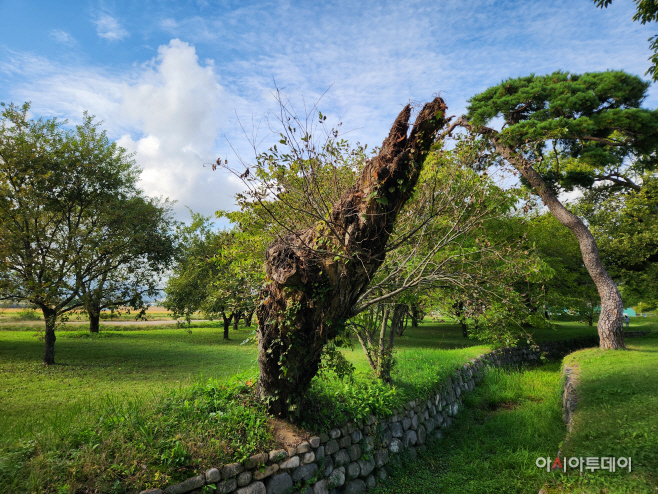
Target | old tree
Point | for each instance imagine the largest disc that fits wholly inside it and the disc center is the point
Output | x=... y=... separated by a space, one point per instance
x=316 y=274
x=563 y=131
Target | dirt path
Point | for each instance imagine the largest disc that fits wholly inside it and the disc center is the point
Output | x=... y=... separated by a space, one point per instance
x=104 y=323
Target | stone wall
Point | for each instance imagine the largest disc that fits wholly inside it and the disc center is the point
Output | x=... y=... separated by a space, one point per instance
x=353 y=458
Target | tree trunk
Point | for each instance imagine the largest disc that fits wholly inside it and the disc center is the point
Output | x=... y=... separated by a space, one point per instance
x=310 y=294
x=247 y=318
x=94 y=318
x=459 y=312
x=398 y=321
x=50 y=318
x=415 y=313
x=610 y=331
x=227 y=324
x=236 y=320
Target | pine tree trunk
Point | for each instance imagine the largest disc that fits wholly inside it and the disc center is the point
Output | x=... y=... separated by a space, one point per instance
x=50 y=318
x=311 y=295
x=610 y=331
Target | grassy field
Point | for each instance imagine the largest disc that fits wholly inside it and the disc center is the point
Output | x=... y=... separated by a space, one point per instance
x=515 y=416
x=88 y=420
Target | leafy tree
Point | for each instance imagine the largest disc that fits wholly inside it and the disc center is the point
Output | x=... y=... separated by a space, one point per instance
x=213 y=274
x=71 y=216
x=570 y=288
x=566 y=130
x=647 y=11
x=625 y=224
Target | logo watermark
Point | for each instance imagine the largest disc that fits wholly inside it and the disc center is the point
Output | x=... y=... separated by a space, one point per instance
x=609 y=463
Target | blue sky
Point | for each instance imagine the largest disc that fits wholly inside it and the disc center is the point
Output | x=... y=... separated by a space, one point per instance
x=170 y=79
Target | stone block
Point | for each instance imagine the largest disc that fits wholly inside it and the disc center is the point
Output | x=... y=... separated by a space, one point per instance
x=303 y=448
x=341 y=458
x=371 y=419
x=315 y=441
x=371 y=482
x=213 y=476
x=244 y=478
x=422 y=434
x=308 y=458
x=410 y=438
x=386 y=437
x=327 y=465
x=366 y=466
x=226 y=486
x=414 y=422
x=256 y=461
x=319 y=453
x=279 y=484
x=395 y=446
x=290 y=463
x=356 y=486
x=231 y=470
x=331 y=447
x=356 y=436
x=278 y=455
x=324 y=437
x=255 y=488
x=187 y=486
x=304 y=473
x=396 y=429
x=263 y=473
x=406 y=423
x=345 y=441
x=151 y=491
x=334 y=434
x=353 y=470
x=368 y=444
x=354 y=452
x=321 y=487
x=381 y=457
x=337 y=478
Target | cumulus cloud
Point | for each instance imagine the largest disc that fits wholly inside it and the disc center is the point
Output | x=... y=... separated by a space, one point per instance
x=179 y=106
x=107 y=27
x=170 y=112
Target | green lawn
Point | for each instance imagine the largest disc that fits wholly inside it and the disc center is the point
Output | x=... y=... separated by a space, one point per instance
x=114 y=399
x=515 y=416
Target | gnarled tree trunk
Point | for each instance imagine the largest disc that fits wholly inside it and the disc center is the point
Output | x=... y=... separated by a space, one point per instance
x=310 y=295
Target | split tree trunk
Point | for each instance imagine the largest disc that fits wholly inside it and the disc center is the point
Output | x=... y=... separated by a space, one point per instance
x=247 y=318
x=236 y=320
x=610 y=323
x=310 y=295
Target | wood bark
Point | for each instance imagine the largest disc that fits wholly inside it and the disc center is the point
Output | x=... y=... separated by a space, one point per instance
x=50 y=318
x=609 y=327
x=94 y=321
x=227 y=324
x=308 y=295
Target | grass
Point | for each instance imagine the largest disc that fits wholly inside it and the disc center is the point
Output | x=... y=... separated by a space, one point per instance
x=616 y=416
x=508 y=421
x=515 y=416
x=139 y=406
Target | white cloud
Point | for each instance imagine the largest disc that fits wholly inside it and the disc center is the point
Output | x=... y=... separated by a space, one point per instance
x=62 y=37
x=169 y=111
x=179 y=107
x=107 y=27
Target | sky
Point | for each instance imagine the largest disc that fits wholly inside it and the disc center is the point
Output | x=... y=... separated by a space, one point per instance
x=180 y=83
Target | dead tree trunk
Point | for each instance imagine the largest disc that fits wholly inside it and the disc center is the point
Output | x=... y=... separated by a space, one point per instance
x=611 y=335
x=311 y=294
